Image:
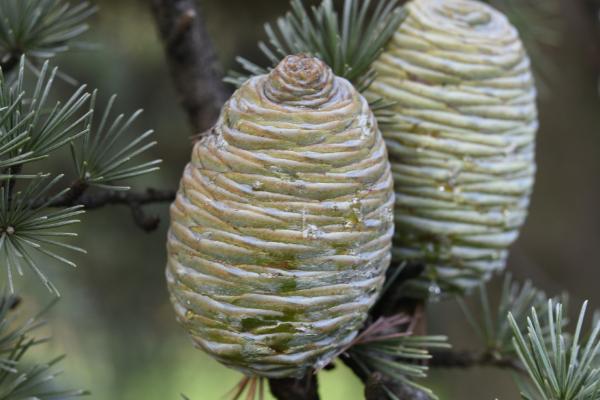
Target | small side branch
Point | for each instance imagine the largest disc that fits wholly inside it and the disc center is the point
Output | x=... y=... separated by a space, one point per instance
x=134 y=200
x=9 y=62
x=192 y=61
x=114 y=197
x=394 y=301
x=377 y=386
x=471 y=359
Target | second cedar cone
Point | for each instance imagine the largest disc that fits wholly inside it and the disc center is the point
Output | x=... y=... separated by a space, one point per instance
x=281 y=231
x=462 y=145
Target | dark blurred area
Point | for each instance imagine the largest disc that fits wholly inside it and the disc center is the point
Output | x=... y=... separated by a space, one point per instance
x=115 y=321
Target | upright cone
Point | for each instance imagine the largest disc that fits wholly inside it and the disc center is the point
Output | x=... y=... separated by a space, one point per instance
x=281 y=231
x=462 y=146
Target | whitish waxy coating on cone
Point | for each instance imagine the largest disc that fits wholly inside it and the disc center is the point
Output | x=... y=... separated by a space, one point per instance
x=281 y=231
x=462 y=151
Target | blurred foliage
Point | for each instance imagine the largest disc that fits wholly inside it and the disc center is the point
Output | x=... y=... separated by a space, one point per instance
x=30 y=133
x=541 y=26
x=40 y=28
x=33 y=128
x=19 y=378
x=489 y=321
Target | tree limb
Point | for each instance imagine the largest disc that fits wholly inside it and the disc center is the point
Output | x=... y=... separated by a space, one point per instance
x=192 y=61
x=76 y=190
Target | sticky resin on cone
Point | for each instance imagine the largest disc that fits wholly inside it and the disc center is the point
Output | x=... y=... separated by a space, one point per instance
x=281 y=232
x=462 y=147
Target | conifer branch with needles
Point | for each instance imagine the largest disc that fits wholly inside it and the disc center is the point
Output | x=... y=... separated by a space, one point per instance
x=560 y=366
x=22 y=379
x=28 y=132
x=488 y=321
x=105 y=155
x=26 y=231
x=40 y=29
x=35 y=213
x=388 y=348
x=135 y=200
x=348 y=43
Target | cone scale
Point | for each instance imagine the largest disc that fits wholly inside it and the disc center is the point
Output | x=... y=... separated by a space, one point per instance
x=281 y=231
x=462 y=144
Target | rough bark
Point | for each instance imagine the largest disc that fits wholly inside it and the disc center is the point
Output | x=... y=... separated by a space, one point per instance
x=192 y=61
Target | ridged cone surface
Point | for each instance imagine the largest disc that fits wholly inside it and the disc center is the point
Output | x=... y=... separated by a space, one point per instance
x=462 y=151
x=281 y=231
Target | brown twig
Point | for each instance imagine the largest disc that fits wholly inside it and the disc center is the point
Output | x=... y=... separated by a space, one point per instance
x=12 y=300
x=295 y=389
x=97 y=199
x=76 y=190
x=192 y=60
x=471 y=359
x=395 y=301
x=9 y=61
x=114 y=197
x=377 y=385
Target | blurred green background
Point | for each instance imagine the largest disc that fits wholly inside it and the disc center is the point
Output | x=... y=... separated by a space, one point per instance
x=115 y=321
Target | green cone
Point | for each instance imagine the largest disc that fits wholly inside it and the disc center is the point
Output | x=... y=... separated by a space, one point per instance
x=463 y=140
x=281 y=232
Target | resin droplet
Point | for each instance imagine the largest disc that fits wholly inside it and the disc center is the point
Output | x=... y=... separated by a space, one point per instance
x=257 y=185
x=435 y=292
x=312 y=232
